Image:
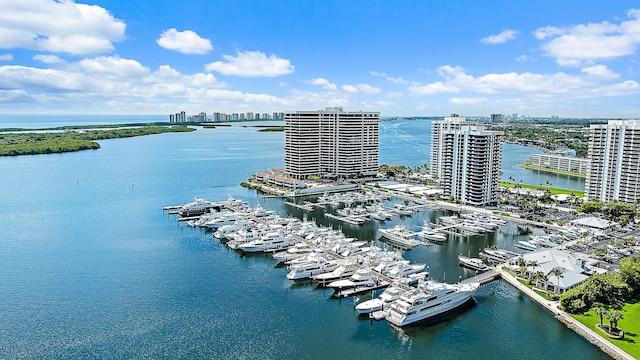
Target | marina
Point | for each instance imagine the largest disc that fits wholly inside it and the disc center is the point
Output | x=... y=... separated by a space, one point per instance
x=336 y=262
x=114 y=277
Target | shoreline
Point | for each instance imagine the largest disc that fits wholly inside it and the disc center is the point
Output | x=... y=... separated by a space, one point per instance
x=591 y=336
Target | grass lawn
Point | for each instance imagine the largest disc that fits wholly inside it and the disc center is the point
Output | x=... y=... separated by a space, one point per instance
x=554 y=191
x=541 y=293
x=630 y=325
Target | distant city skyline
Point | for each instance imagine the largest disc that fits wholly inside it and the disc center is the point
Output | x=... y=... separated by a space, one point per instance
x=575 y=59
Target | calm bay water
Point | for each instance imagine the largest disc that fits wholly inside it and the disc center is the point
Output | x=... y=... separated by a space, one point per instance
x=90 y=267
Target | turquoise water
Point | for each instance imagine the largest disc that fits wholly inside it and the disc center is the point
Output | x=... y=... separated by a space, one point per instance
x=90 y=267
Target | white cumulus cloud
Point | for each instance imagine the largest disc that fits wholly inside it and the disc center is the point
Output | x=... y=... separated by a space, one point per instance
x=396 y=80
x=251 y=64
x=366 y=88
x=6 y=57
x=58 y=27
x=48 y=59
x=593 y=81
x=573 y=45
x=350 y=89
x=186 y=42
x=503 y=37
x=114 y=65
x=600 y=71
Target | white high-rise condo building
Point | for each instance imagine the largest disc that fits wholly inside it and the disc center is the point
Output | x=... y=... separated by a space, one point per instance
x=614 y=170
x=331 y=143
x=467 y=160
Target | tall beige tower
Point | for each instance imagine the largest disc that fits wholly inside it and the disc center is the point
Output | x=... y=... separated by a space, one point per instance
x=331 y=143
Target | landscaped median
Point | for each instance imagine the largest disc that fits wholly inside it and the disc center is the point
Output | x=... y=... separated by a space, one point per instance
x=629 y=324
x=554 y=191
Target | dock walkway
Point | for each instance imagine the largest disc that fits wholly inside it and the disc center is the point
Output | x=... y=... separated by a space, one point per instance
x=484 y=278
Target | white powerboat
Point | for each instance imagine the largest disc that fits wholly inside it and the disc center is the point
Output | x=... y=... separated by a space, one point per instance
x=307 y=270
x=268 y=244
x=400 y=236
x=341 y=272
x=431 y=235
x=383 y=300
x=362 y=278
x=472 y=263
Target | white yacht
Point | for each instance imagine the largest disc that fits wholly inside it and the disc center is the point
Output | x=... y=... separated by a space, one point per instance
x=248 y=235
x=226 y=219
x=197 y=207
x=361 y=278
x=341 y=272
x=429 y=234
x=400 y=236
x=298 y=250
x=472 y=263
x=388 y=296
x=404 y=269
x=268 y=244
x=224 y=231
x=307 y=270
x=425 y=303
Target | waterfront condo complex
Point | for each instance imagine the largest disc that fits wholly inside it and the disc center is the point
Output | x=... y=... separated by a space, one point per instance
x=614 y=171
x=466 y=159
x=331 y=143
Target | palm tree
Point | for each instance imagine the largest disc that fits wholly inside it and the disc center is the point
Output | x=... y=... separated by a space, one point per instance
x=539 y=277
x=533 y=264
x=600 y=311
x=558 y=273
x=614 y=316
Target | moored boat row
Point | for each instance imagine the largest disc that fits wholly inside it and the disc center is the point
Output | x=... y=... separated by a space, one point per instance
x=328 y=258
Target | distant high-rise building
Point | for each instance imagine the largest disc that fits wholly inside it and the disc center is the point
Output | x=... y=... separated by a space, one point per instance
x=497 y=118
x=614 y=154
x=331 y=143
x=466 y=159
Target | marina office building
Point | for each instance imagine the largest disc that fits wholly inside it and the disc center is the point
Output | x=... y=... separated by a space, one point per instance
x=466 y=159
x=614 y=153
x=331 y=143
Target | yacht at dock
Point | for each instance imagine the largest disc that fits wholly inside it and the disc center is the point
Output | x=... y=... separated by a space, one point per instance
x=429 y=302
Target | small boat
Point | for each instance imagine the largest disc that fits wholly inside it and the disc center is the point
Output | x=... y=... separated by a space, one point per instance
x=388 y=296
x=472 y=263
x=526 y=245
x=429 y=234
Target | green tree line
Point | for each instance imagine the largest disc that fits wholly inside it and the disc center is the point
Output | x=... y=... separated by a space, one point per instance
x=13 y=144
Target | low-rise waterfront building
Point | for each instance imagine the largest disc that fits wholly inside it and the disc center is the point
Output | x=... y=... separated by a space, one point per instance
x=573 y=269
x=560 y=163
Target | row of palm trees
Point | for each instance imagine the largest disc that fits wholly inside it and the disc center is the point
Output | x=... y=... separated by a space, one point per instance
x=538 y=276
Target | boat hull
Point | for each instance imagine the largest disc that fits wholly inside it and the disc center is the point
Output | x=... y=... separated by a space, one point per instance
x=462 y=306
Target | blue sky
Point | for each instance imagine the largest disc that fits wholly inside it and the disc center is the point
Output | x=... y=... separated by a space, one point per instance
x=401 y=58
